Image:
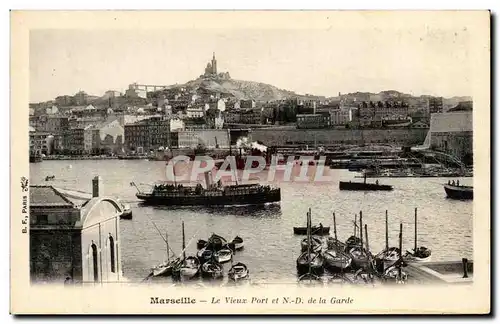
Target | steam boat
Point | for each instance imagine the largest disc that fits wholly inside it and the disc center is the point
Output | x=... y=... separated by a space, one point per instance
x=212 y=195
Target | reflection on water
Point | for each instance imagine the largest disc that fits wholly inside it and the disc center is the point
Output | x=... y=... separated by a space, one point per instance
x=271 y=248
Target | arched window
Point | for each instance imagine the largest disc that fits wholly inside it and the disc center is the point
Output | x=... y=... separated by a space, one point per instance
x=94 y=262
x=112 y=253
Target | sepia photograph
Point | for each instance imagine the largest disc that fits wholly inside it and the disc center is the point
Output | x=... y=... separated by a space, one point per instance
x=203 y=160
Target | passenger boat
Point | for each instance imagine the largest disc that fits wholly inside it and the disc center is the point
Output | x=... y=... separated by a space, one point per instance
x=316 y=244
x=459 y=192
x=212 y=269
x=238 y=243
x=363 y=186
x=337 y=260
x=315 y=230
x=238 y=271
x=212 y=195
x=224 y=255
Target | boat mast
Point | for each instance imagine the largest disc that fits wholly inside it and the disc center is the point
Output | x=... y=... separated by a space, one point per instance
x=386 y=232
x=168 y=252
x=335 y=229
x=415 y=248
x=400 y=249
x=309 y=241
x=183 y=242
x=361 y=228
x=173 y=170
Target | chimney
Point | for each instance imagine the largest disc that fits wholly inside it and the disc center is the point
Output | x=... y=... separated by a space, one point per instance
x=208 y=179
x=95 y=186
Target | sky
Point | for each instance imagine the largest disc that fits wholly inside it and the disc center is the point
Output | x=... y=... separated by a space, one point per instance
x=321 y=62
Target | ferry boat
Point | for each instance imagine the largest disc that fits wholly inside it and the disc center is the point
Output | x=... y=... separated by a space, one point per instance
x=212 y=195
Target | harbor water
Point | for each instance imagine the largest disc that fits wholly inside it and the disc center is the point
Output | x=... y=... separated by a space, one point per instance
x=271 y=248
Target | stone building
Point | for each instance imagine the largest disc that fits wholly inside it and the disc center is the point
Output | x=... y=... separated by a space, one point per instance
x=313 y=120
x=451 y=133
x=69 y=243
x=148 y=134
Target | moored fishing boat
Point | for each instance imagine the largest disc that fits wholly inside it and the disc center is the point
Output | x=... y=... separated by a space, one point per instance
x=238 y=271
x=165 y=268
x=238 y=243
x=316 y=244
x=310 y=262
x=186 y=269
x=388 y=257
x=422 y=254
x=204 y=254
x=212 y=269
x=360 y=257
x=216 y=242
x=201 y=244
x=126 y=211
x=337 y=260
x=223 y=255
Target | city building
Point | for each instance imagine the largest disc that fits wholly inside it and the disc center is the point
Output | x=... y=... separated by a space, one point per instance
x=71 y=141
x=80 y=98
x=435 y=105
x=451 y=133
x=72 y=244
x=313 y=121
x=209 y=138
x=104 y=138
x=341 y=116
x=148 y=134
x=38 y=142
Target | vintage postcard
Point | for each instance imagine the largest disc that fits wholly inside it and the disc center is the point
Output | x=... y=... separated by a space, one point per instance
x=250 y=162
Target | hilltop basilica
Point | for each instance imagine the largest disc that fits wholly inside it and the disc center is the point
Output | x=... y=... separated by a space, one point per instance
x=211 y=70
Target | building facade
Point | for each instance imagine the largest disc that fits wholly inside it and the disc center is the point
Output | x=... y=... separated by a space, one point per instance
x=435 y=105
x=71 y=244
x=452 y=133
x=312 y=121
x=148 y=134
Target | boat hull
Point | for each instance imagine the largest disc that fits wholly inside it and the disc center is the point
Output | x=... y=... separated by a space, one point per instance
x=224 y=200
x=460 y=193
x=361 y=186
x=314 y=231
x=336 y=262
x=127 y=214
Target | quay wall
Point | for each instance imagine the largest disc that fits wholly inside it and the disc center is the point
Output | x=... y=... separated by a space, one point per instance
x=279 y=137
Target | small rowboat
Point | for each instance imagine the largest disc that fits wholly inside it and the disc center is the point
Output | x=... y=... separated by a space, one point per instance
x=392 y=273
x=423 y=254
x=313 y=261
x=187 y=269
x=315 y=230
x=238 y=243
x=212 y=270
x=216 y=242
x=316 y=244
x=204 y=254
x=201 y=244
x=337 y=260
x=238 y=271
x=224 y=255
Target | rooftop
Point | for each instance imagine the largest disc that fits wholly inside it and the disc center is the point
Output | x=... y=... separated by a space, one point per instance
x=47 y=196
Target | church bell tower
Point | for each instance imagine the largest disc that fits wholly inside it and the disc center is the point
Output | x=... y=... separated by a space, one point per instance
x=214 y=64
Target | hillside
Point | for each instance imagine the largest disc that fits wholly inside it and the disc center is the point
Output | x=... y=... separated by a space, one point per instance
x=239 y=89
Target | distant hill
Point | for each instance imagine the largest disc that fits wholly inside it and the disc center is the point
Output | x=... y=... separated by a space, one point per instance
x=239 y=89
